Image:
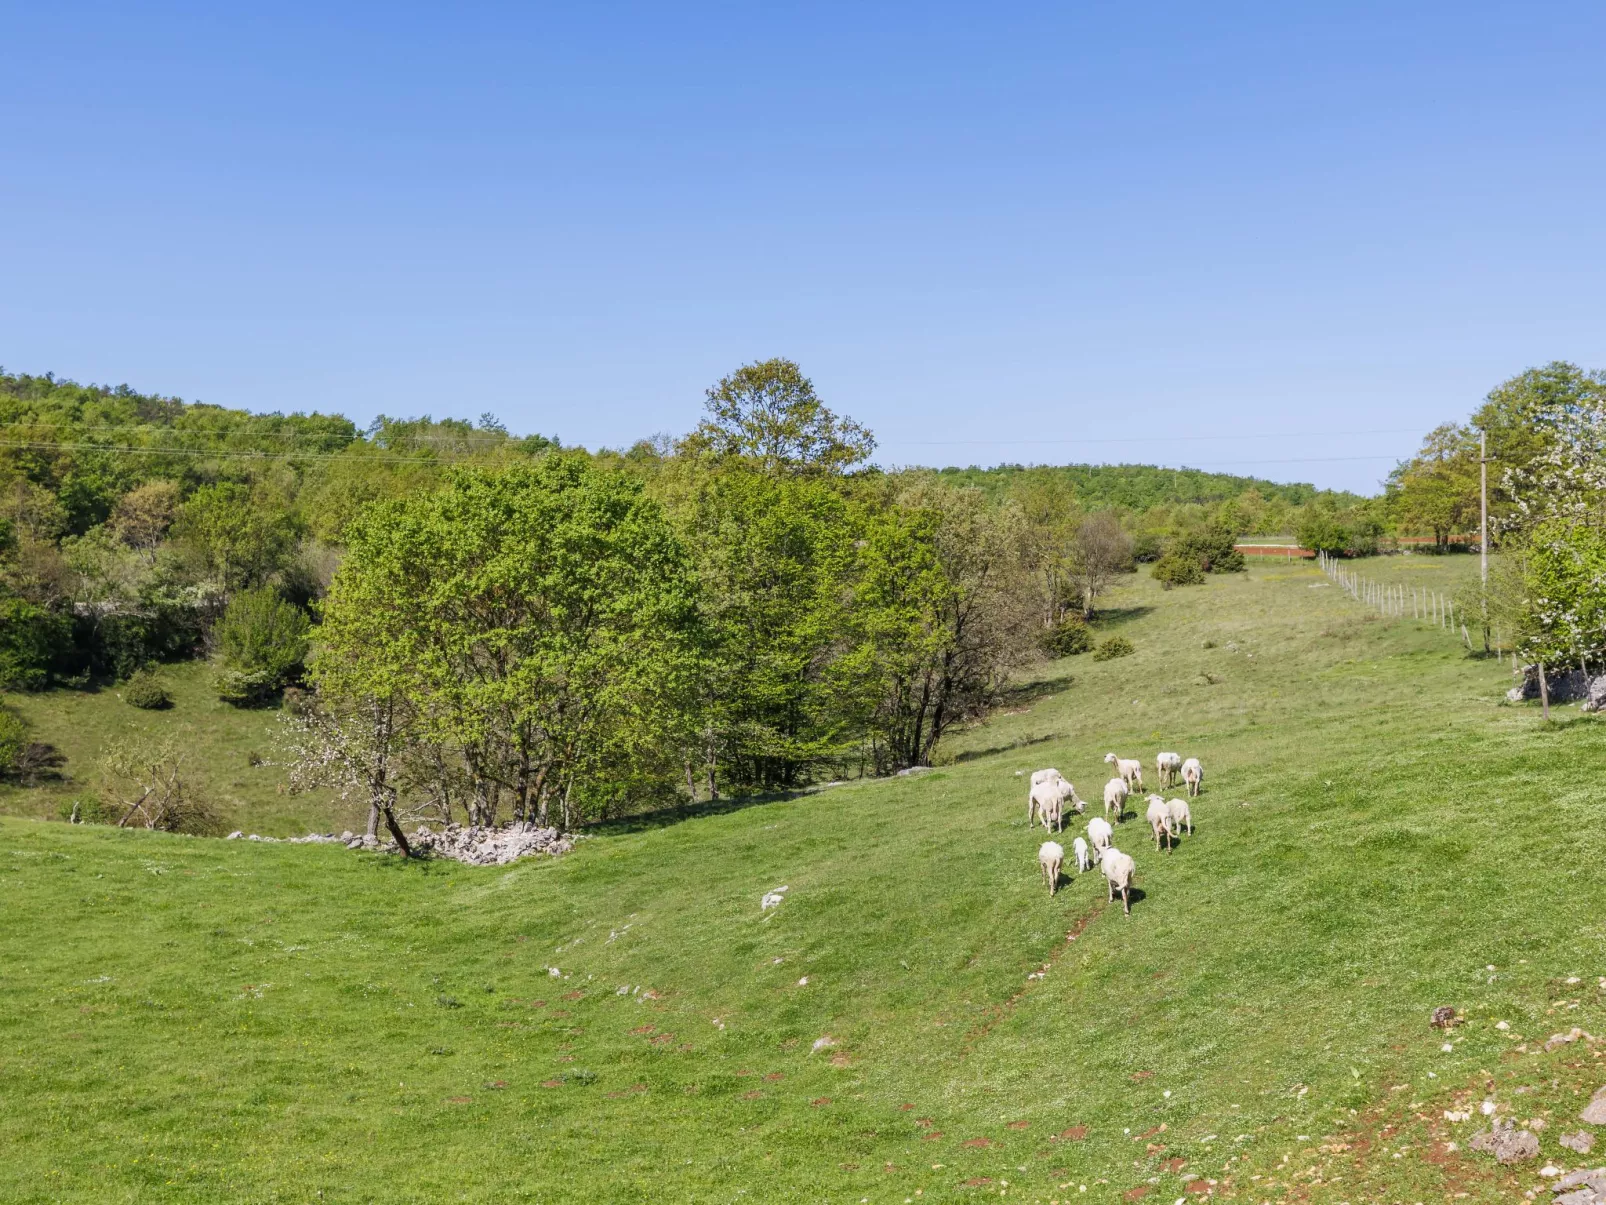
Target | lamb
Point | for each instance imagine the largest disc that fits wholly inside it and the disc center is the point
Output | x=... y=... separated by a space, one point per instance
x=1049 y=857
x=1192 y=774
x=1130 y=771
x=1118 y=871
x=1159 y=816
x=1099 y=833
x=1181 y=816
x=1115 y=796
x=1084 y=860
x=1166 y=768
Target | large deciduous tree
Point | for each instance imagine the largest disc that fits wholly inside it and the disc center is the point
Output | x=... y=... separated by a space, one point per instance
x=538 y=621
x=768 y=411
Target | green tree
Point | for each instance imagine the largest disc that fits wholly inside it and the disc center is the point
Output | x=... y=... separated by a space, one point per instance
x=776 y=556
x=942 y=614
x=263 y=642
x=241 y=539
x=768 y=411
x=1437 y=490
x=538 y=620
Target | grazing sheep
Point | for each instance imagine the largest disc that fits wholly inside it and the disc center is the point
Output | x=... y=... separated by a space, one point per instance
x=1099 y=833
x=1192 y=774
x=1039 y=777
x=1130 y=771
x=1159 y=816
x=1047 y=799
x=1181 y=816
x=1049 y=857
x=1166 y=768
x=1084 y=860
x=1118 y=871
x=1115 y=796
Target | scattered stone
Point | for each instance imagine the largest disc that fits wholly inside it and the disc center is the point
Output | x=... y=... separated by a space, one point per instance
x=347 y=835
x=1595 y=1111
x=488 y=846
x=1507 y=1143
x=913 y=770
x=824 y=1043
x=1582 y=1142
x=234 y=836
x=773 y=899
x=1444 y=1017
x=1590 y=1179
x=1561 y=1039
x=1457 y=1115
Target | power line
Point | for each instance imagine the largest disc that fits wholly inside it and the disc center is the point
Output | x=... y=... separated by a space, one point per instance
x=1145 y=439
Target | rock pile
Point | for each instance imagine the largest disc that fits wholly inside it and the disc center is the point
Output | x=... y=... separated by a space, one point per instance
x=489 y=846
x=1585 y=1187
x=1507 y=1143
x=1562 y=686
x=309 y=839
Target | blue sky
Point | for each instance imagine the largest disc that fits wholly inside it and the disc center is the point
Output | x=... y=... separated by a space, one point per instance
x=1281 y=239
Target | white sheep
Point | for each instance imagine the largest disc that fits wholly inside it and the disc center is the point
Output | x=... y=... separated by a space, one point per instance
x=1115 y=796
x=1181 y=816
x=1049 y=857
x=1047 y=799
x=1039 y=777
x=1192 y=774
x=1084 y=860
x=1159 y=817
x=1166 y=768
x=1047 y=805
x=1099 y=834
x=1118 y=871
x=1130 y=771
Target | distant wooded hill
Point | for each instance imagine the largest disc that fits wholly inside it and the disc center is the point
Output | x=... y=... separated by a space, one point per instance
x=1139 y=487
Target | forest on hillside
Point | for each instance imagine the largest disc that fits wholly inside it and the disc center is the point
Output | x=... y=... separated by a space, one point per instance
x=467 y=623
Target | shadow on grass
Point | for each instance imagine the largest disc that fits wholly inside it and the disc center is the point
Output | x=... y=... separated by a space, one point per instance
x=664 y=817
x=1115 y=617
x=1030 y=692
x=1024 y=743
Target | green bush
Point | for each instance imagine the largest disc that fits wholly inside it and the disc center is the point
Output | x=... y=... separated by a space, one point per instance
x=1069 y=637
x=1177 y=569
x=263 y=642
x=1115 y=646
x=241 y=688
x=30 y=640
x=144 y=691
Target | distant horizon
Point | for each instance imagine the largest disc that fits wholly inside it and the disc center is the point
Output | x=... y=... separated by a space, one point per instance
x=364 y=428
x=1256 y=239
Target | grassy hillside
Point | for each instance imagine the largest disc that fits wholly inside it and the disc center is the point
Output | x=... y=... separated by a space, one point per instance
x=230 y=753
x=183 y=1019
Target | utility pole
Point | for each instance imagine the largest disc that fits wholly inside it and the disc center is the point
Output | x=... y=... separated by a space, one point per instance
x=1483 y=505
x=1483 y=531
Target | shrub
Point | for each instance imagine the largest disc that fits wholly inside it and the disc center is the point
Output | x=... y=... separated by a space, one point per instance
x=245 y=689
x=263 y=641
x=1146 y=547
x=1069 y=637
x=1177 y=569
x=145 y=784
x=30 y=640
x=145 y=692
x=1115 y=646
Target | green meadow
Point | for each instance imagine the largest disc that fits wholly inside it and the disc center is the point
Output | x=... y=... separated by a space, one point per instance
x=186 y=1019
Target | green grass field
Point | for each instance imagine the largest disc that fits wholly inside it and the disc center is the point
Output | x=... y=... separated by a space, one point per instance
x=187 y=1020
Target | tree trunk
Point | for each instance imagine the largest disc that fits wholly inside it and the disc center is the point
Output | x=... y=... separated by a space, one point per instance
x=691 y=783
x=396 y=832
x=373 y=821
x=1544 y=690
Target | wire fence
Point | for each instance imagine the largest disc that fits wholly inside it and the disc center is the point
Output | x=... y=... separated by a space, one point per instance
x=1393 y=600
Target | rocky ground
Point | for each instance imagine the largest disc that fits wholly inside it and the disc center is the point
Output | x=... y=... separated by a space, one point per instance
x=475 y=846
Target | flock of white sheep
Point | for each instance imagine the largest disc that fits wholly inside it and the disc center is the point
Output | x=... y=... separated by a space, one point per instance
x=1051 y=792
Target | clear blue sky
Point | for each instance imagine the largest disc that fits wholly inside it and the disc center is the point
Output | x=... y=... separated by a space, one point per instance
x=991 y=232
